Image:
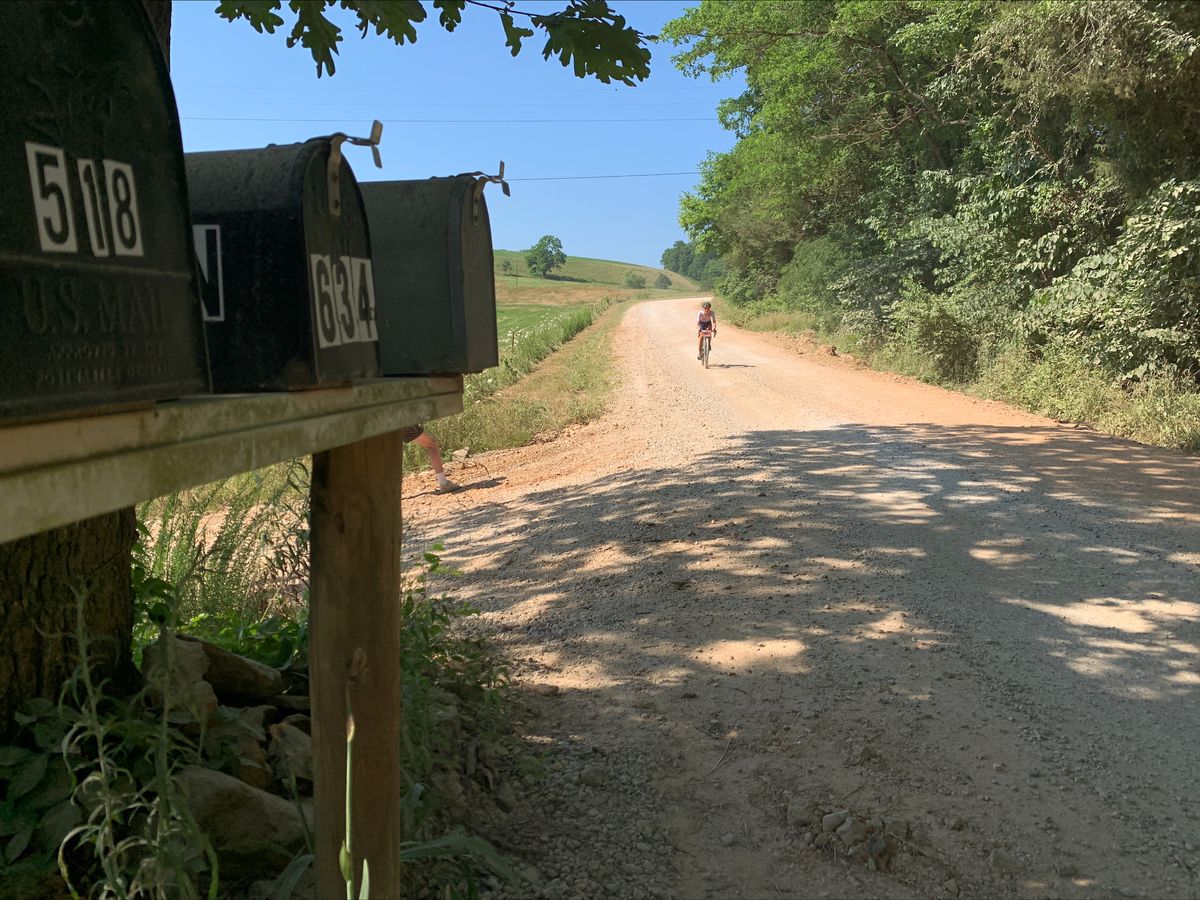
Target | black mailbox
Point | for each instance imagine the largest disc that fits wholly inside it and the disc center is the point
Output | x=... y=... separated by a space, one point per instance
x=434 y=275
x=285 y=265
x=98 y=296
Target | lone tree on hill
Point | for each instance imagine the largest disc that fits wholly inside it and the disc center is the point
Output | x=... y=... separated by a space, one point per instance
x=545 y=256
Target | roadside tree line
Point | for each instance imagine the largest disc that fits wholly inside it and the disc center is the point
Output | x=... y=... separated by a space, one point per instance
x=968 y=180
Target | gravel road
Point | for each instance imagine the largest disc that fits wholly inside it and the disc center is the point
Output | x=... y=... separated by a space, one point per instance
x=792 y=628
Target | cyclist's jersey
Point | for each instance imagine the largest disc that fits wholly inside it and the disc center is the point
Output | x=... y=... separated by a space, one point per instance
x=706 y=323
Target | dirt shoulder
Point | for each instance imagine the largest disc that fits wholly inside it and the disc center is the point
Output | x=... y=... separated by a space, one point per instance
x=788 y=587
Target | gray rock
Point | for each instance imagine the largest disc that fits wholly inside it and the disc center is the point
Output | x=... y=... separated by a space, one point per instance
x=901 y=828
x=1003 y=861
x=728 y=839
x=878 y=850
x=956 y=823
x=230 y=674
x=299 y=720
x=851 y=831
x=291 y=753
x=859 y=754
x=834 y=820
x=592 y=776
x=506 y=797
x=175 y=672
x=298 y=702
x=253 y=832
x=802 y=812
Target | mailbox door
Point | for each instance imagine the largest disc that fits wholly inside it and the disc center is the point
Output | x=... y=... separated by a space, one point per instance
x=279 y=269
x=433 y=276
x=341 y=279
x=477 y=277
x=98 y=297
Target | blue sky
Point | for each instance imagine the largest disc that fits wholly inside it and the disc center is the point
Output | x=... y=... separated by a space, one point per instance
x=237 y=88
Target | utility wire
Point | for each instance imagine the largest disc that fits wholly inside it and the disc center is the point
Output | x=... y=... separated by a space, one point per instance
x=445 y=121
x=243 y=88
x=587 y=177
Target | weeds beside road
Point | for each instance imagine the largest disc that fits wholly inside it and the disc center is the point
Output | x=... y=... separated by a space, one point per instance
x=1058 y=383
x=510 y=404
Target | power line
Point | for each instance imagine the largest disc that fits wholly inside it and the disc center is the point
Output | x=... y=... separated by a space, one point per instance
x=588 y=177
x=243 y=88
x=343 y=119
x=489 y=104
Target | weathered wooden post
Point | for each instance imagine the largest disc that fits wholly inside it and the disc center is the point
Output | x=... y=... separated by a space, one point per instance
x=354 y=656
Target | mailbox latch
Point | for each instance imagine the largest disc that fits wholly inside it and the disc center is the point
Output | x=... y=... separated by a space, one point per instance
x=482 y=182
x=333 y=182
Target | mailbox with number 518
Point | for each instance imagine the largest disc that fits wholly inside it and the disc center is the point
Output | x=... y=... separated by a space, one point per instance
x=285 y=266
x=98 y=296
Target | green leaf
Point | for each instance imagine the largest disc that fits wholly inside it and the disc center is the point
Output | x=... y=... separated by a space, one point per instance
x=285 y=884
x=28 y=776
x=12 y=756
x=364 y=889
x=18 y=844
x=512 y=39
x=57 y=822
x=13 y=819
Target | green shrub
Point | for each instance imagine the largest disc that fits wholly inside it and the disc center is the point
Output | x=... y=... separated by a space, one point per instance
x=1061 y=383
x=1133 y=309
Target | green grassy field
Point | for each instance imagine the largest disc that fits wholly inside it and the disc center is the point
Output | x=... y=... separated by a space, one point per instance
x=582 y=281
x=524 y=317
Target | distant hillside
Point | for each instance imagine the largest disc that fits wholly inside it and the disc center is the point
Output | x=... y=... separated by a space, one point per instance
x=581 y=280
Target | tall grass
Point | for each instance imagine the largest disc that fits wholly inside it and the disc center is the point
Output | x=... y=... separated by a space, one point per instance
x=482 y=425
x=234 y=553
x=1062 y=385
x=1054 y=381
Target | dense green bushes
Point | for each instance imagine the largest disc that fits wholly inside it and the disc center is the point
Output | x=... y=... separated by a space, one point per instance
x=963 y=181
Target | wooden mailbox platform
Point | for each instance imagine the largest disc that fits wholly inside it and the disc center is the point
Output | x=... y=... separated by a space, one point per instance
x=54 y=473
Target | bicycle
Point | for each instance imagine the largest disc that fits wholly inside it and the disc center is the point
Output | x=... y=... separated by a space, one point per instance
x=705 y=347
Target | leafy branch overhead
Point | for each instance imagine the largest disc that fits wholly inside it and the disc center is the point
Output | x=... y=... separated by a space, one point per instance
x=586 y=34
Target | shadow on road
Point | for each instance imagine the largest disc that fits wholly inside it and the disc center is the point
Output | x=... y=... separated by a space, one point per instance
x=810 y=573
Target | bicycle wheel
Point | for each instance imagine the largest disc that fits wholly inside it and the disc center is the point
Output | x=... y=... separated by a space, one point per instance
x=704 y=349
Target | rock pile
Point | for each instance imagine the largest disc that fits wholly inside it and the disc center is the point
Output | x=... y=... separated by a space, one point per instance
x=254 y=734
x=868 y=840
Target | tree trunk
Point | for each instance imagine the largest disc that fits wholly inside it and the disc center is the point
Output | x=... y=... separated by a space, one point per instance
x=39 y=577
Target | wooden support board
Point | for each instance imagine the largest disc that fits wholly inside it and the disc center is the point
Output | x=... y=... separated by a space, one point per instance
x=57 y=472
x=354 y=659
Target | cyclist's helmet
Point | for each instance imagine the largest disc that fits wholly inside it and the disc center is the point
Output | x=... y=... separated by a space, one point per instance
x=707 y=305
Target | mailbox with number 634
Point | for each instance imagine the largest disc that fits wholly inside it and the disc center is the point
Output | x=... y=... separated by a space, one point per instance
x=98 y=295
x=434 y=275
x=285 y=265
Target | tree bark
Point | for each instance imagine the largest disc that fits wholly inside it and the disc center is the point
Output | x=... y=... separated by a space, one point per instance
x=40 y=575
x=39 y=578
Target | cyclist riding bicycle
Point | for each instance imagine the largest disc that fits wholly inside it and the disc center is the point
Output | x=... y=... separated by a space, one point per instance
x=706 y=321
